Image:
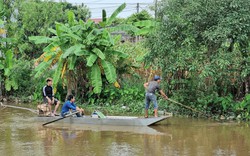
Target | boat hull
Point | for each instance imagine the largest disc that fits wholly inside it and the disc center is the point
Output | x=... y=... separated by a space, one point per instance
x=109 y=120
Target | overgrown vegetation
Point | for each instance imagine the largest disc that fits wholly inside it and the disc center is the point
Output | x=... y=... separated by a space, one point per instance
x=201 y=48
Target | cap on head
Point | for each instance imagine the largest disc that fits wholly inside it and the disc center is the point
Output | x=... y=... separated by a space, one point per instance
x=156 y=77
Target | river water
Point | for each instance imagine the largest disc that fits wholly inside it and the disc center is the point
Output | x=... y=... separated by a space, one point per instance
x=21 y=136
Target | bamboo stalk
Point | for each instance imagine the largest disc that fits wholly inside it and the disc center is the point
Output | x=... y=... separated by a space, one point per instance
x=185 y=106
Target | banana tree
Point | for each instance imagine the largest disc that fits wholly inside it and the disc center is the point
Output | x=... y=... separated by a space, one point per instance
x=83 y=41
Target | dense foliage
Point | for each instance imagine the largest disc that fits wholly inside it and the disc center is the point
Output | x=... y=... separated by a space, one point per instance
x=6 y=55
x=85 y=43
x=43 y=15
x=203 y=50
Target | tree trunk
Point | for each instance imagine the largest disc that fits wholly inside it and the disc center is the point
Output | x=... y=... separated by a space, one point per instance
x=1 y=93
x=69 y=84
x=246 y=86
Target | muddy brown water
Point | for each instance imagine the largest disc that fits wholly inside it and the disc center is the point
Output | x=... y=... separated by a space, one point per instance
x=22 y=136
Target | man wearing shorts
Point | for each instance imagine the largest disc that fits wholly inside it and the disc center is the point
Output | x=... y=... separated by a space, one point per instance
x=151 y=87
x=48 y=97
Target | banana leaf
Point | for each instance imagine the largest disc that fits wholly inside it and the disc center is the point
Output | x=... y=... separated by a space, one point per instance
x=123 y=27
x=115 y=13
x=58 y=72
x=71 y=18
x=72 y=62
x=91 y=60
x=82 y=52
x=40 y=39
x=96 y=79
x=72 y=50
x=1 y=66
x=42 y=67
x=118 y=53
x=109 y=71
x=99 y=53
x=9 y=59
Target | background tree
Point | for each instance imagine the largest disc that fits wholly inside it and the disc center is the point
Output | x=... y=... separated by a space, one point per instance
x=141 y=16
x=6 y=55
x=203 y=50
x=86 y=42
x=43 y=15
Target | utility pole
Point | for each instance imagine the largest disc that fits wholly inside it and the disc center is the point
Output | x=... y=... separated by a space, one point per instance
x=137 y=7
x=156 y=3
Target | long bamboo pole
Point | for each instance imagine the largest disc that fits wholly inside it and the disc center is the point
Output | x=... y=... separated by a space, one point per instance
x=17 y=107
x=185 y=106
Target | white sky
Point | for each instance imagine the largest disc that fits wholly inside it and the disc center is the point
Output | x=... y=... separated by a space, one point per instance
x=96 y=6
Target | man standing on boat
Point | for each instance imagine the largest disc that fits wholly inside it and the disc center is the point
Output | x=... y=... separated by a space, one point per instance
x=151 y=87
x=70 y=105
x=48 y=97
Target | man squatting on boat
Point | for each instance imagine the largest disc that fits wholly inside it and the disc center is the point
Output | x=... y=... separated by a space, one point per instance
x=70 y=105
x=48 y=97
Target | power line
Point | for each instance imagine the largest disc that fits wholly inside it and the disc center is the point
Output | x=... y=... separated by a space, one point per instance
x=113 y=3
x=129 y=10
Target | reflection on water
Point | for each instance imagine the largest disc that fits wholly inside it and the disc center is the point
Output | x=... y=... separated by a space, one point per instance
x=20 y=135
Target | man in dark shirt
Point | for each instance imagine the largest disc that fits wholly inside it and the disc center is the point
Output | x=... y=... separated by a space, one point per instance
x=48 y=97
x=151 y=87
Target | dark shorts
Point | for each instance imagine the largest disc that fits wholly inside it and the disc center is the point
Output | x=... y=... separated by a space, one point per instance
x=66 y=113
x=45 y=100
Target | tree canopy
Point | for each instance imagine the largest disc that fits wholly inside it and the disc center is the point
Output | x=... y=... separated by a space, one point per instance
x=44 y=14
x=203 y=49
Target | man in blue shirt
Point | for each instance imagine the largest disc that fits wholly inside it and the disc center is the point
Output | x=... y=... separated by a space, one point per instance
x=70 y=105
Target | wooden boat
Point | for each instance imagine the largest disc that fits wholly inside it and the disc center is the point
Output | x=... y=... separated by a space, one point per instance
x=108 y=120
x=151 y=130
x=104 y=120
